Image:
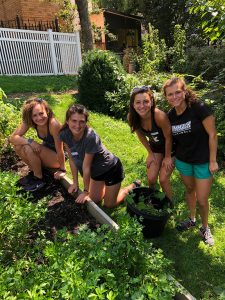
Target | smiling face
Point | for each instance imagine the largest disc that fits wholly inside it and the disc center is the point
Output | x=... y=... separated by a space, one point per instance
x=142 y=104
x=175 y=95
x=77 y=124
x=39 y=115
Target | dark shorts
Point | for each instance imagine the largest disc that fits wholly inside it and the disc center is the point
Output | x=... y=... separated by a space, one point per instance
x=112 y=176
x=157 y=148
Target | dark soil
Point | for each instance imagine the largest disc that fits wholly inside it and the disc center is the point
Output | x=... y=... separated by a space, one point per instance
x=62 y=211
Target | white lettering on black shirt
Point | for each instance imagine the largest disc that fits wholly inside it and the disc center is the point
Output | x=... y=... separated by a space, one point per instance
x=182 y=128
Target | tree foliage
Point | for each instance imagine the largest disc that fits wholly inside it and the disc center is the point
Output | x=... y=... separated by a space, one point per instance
x=212 y=13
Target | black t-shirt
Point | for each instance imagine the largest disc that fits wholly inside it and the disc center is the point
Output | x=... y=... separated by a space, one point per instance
x=189 y=135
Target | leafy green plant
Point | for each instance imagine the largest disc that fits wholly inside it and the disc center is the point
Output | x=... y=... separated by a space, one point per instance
x=100 y=264
x=8 y=122
x=178 y=49
x=101 y=72
x=154 y=51
x=2 y=94
x=119 y=100
x=145 y=204
x=17 y=217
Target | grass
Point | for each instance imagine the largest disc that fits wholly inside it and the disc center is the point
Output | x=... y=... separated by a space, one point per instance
x=200 y=269
x=35 y=84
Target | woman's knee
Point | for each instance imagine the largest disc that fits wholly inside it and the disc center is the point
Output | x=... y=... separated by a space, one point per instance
x=164 y=179
x=190 y=189
x=152 y=180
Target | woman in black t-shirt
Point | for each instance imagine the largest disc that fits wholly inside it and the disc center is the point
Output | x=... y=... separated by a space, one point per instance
x=194 y=135
x=154 y=131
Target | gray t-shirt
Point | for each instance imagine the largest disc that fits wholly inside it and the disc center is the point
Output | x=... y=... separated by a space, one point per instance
x=90 y=143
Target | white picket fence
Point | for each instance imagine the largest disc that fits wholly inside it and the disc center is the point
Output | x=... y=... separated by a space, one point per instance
x=28 y=52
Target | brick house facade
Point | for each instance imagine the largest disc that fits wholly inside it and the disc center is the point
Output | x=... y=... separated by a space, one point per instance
x=27 y=10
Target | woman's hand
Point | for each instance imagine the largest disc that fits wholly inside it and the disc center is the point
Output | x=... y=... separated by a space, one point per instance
x=213 y=167
x=36 y=147
x=82 y=198
x=150 y=159
x=72 y=188
x=59 y=174
x=168 y=163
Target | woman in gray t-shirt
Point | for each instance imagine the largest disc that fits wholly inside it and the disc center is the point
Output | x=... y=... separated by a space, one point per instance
x=101 y=170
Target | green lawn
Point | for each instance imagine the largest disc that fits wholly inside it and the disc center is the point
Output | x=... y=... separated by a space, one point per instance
x=24 y=84
x=199 y=268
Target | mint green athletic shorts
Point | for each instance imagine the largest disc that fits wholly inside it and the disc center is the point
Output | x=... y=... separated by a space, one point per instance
x=200 y=171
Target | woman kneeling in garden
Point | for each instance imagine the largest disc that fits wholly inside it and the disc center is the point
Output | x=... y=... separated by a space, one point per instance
x=101 y=170
x=38 y=115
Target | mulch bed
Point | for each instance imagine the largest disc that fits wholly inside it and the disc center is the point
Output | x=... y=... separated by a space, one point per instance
x=62 y=210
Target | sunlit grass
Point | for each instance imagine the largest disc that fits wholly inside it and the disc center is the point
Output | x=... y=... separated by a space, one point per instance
x=24 y=84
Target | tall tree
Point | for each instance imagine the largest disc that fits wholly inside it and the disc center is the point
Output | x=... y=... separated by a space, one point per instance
x=67 y=14
x=86 y=29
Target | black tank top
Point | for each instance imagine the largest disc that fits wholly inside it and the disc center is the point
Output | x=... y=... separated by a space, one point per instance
x=48 y=141
x=155 y=137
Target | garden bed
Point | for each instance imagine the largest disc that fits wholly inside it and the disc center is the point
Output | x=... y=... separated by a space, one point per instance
x=62 y=210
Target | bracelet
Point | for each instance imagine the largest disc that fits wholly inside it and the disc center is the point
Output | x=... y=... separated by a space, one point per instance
x=86 y=191
x=62 y=170
x=30 y=141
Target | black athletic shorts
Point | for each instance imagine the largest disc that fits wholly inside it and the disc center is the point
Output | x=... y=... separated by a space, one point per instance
x=112 y=176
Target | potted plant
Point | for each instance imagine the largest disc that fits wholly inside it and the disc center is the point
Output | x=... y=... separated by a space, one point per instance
x=152 y=209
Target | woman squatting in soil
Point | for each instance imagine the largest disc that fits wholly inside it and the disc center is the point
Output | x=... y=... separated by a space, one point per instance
x=101 y=170
x=38 y=115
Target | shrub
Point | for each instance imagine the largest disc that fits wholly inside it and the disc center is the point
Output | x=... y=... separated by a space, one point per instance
x=98 y=264
x=120 y=99
x=154 y=51
x=17 y=217
x=178 y=49
x=207 y=61
x=101 y=72
x=8 y=122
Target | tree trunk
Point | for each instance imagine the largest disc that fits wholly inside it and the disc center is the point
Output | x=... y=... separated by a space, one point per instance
x=86 y=29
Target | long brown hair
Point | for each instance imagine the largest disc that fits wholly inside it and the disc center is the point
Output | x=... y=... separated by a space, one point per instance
x=28 y=107
x=190 y=95
x=75 y=108
x=133 y=117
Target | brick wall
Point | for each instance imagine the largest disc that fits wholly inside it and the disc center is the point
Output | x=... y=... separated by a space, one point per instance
x=27 y=9
x=9 y=9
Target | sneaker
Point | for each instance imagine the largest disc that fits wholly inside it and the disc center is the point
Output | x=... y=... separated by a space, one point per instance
x=137 y=183
x=206 y=235
x=34 y=184
x=26 y=179
x=185 y=225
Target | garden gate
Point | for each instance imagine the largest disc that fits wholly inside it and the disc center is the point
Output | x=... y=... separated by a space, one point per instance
x=28 y=52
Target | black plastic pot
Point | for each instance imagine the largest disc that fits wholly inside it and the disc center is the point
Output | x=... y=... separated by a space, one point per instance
x=153 y=225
